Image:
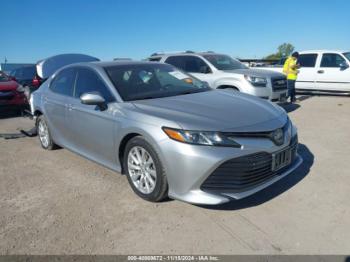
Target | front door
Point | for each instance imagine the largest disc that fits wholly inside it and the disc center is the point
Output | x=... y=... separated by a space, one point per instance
x=92 y=129
x=331 y=76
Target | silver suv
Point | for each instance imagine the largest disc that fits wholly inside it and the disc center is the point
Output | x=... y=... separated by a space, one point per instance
x=223 y=72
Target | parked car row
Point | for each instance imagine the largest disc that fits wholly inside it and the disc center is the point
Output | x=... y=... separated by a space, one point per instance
x=322 y=71
x=189 y=126
x=167 y=131
x=17 y=86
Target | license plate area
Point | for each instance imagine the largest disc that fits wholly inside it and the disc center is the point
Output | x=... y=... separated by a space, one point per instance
x=281 y=159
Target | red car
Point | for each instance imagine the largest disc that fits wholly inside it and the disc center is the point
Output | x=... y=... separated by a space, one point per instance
x=11 y=93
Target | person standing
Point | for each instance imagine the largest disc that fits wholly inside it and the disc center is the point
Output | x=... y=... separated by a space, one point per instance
x=290 y=69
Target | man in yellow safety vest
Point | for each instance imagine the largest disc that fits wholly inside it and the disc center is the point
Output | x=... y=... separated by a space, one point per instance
x=290 y=69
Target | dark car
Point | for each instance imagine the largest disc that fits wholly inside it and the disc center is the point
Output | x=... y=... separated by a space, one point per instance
x=25 y=75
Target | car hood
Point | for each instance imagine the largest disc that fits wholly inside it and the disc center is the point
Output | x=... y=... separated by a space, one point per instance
x=256 y=72
x=217 y=110
x=8 y=86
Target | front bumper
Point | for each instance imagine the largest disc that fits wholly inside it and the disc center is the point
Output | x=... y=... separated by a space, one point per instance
x=189 y=166
x=271 y=92
x=12 y=98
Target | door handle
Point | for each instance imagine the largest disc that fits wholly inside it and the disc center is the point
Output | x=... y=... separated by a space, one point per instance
x=320 y=71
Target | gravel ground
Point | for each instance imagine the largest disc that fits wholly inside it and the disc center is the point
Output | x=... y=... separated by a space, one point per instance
x=59 y=203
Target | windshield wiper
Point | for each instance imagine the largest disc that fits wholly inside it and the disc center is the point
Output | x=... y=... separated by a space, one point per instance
x=193 y=91
x=143 y=98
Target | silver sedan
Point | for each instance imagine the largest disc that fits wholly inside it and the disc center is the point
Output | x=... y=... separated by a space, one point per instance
x=168 y=132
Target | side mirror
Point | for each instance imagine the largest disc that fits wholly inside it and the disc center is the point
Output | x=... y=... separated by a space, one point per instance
x=344 y=66
x=206 y=84
x=94 y=99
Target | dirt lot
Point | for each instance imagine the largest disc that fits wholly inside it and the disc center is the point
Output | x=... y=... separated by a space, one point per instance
x=59 y=203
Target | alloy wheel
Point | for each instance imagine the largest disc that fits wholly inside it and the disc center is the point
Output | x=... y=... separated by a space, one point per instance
x=142 y=169
x=43 y=132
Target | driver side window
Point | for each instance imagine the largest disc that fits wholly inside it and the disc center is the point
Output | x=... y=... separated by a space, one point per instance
x=331 y=60
x=194 y=64
x=191 y=64
x=89 y=81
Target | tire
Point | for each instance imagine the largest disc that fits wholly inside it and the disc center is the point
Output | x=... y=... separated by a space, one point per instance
x=44 y=134
x=140 y=176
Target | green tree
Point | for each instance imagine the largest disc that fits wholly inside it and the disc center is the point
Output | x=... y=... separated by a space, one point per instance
x=273 y=57
x=286 y=49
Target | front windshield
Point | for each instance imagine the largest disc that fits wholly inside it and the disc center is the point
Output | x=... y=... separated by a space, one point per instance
x=224 y=62
x=347 y=55
x=3 y=77
x=146 y=81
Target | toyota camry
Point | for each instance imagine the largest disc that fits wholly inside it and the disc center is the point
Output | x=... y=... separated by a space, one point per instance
x=168 y=132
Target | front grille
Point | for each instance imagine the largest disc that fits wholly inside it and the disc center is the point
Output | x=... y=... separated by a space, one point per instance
x=279 y=84
x=242 y=173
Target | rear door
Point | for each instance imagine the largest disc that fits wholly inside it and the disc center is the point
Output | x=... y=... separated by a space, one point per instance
x=307 y=72
x=330 y=75
x=92 y=130
x=55 y=104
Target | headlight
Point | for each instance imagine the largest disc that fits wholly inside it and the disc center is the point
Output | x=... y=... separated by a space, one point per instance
x=200 y=137
x=289 y=126
x=256 y=81
x=293 y=128
x=31 y=104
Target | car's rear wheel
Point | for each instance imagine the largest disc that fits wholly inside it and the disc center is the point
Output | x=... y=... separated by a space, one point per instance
x=144 y=170
x=44 y=134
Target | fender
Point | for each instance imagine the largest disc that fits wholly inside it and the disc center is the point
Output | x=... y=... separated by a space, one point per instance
x=228 y=81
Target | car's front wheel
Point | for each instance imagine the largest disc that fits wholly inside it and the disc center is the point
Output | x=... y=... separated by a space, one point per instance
x=44 y=134
x=144 y=170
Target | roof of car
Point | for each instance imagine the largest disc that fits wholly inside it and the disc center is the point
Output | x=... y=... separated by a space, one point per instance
x=115 y=63
x=184 y=53
x=322 y=51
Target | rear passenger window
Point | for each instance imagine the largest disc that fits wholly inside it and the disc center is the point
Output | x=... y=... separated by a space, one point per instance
x=331 y=60
x=89 y=82
x=63 y=82
x=307 y=60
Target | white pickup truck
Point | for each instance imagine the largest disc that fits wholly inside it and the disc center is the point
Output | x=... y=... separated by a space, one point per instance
x=322 y=71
